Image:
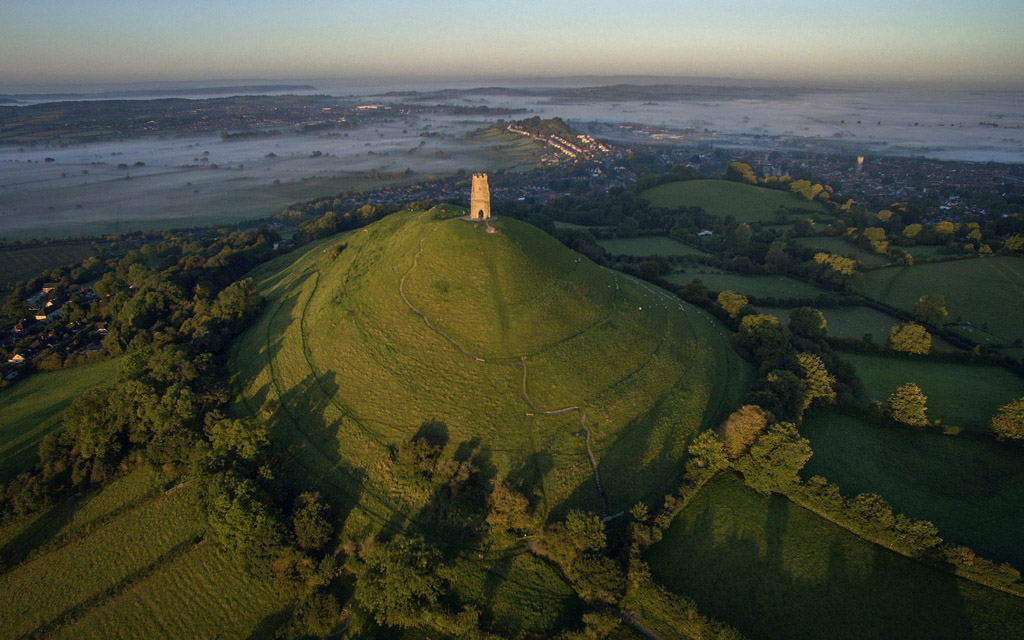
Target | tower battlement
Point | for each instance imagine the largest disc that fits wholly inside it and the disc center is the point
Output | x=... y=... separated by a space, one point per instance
x=480 y=198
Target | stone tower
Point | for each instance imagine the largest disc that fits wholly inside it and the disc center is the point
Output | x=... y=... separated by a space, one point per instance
x=480 y=198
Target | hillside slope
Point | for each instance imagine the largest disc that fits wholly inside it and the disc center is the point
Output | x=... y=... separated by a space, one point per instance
x=346 y=368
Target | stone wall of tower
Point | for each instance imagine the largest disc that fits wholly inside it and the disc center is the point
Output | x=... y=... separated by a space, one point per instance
x=480 y=198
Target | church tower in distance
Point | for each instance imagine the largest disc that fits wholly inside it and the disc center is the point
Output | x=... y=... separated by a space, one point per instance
x=480 y=198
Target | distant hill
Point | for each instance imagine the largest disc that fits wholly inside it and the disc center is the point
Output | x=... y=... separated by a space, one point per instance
x=355 y=371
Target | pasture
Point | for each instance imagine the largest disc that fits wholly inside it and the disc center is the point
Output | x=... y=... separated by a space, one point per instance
x=33 y=407
x=839 y=246
x=972 y=490
x=763 y=286
x=848 y=321
x=776 y=570
x=25 y=263
x=723 y=198
x=987 y=292
x=648 y=246
x=55 y=588
x=961 y=395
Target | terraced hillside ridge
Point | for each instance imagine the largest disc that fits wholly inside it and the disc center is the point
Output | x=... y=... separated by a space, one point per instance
x=504 y=345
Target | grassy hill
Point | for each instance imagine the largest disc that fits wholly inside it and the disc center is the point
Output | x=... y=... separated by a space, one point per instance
x=356 y=371
x=726 y=198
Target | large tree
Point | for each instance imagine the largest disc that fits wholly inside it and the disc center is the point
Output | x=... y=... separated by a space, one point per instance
x=910 y=338
x=742 y=428
x=930 y=310
x=775 y=459
x=400 y=581
x=1008 y=423
x=808 y=322
x=732 y=302
x=908 y=405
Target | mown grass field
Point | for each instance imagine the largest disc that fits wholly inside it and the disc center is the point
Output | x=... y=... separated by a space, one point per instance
x=776 y=570
x=972 y=490
x=197 y=594
x=961 y=395
x=33 y=407
x=981 y=291
x=750 y=285
x=359 y=372
x=56 y=587
x=29 y=262
x=648 y=246
x=723 y=198
x=75 y=518
x=837 y=245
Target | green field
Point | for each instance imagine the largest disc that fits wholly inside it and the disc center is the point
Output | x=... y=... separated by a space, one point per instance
x=749 y=285
x=568 y=225
x=979 y=291
x=848 y=321
x=775 y=570
x=33 y=407
x=358 y=371
x=29 y=262
x=55 y=587
x=648 y=246
x=723 y=198
x=924 y=252
x=960 y=395
x=838 y=245
x=972 y=490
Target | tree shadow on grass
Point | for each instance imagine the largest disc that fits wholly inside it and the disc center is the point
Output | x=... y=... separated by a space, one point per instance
x=42 y=530
x=778 y=581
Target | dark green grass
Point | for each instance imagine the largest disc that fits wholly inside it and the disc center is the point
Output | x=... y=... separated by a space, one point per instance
x=848 y=321
x=924 y=252
x=649 y=246
x=973 y=490
x=838 y=245
x=723 y=198
x=33 y=407
x=776 y=570
x=524 y=597
x=750 y=285
x=960 y=395
x=29 y=262
x=982 y=291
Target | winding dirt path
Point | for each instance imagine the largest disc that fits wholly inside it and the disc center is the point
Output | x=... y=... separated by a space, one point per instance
x=521 y=364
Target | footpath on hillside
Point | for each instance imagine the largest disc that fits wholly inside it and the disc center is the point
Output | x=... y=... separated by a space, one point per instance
x=520 y=364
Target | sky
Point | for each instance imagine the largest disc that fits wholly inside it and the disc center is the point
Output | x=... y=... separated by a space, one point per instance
x=108 y=41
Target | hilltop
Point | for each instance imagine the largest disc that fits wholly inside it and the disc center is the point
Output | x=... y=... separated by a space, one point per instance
x=519 y=326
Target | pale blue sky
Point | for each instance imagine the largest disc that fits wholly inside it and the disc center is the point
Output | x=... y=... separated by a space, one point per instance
x=117 y=40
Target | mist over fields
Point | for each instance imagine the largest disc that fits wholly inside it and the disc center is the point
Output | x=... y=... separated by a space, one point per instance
x=100 y=188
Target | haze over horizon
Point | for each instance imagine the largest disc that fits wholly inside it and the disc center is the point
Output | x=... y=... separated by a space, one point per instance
x=110 y=41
